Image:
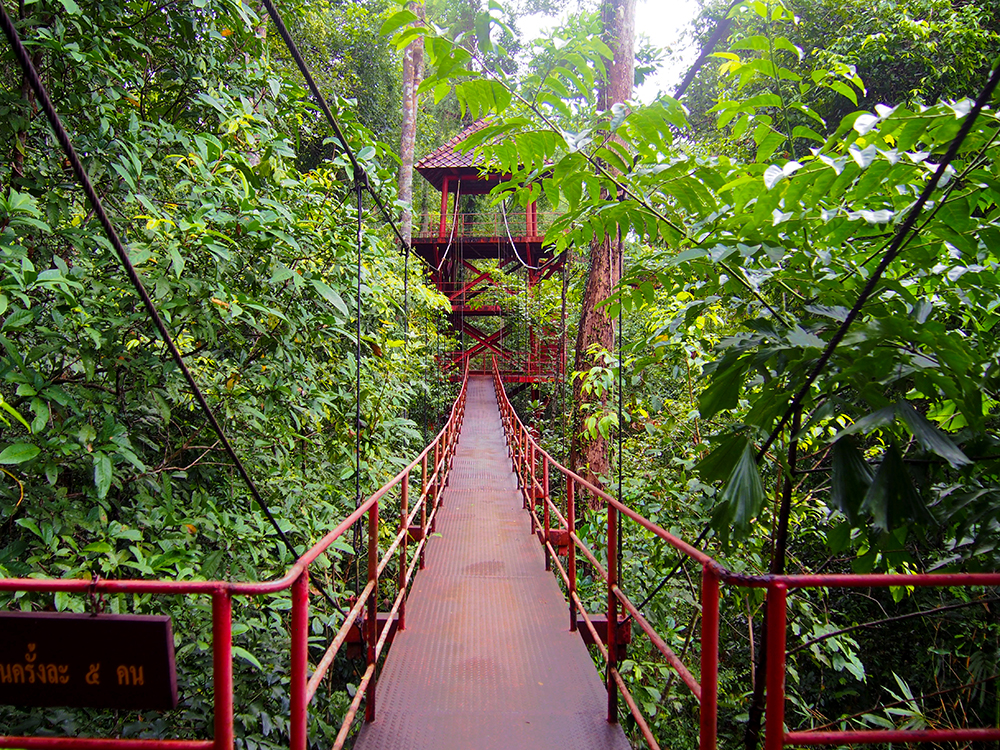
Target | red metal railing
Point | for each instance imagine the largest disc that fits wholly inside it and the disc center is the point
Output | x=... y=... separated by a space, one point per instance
x=433 y=463
x=534 y=466
x=485 y=224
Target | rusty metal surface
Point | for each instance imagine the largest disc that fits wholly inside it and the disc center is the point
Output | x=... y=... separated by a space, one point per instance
x=487 y=659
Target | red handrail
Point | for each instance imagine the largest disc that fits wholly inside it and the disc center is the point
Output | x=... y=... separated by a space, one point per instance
x=302 y=686
x=525 y=452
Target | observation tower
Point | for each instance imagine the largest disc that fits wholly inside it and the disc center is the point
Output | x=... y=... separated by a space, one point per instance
x=488 y=260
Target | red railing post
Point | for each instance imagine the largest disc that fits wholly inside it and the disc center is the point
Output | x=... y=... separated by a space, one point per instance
x=222 y=668
x=522 y=437
x=545 y=509
x=298 y=708
x=774 y=718
x=443 y=222
x=435 y=483
x=571 y=562
x=372 y=615
x=612 y=612
x=709 y=657
x=449 y=453
x=404 y=512
x=531 y=476
x=423 y=505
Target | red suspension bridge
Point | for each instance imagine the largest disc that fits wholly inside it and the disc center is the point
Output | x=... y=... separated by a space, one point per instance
x=489 y=646
x=488 y=651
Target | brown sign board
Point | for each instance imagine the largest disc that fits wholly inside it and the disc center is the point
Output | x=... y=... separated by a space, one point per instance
x=103 y=661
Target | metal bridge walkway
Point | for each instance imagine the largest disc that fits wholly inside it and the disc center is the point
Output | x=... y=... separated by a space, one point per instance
x=487 y=659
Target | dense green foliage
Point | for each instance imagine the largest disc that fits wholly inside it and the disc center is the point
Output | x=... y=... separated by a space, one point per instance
x=194 y=138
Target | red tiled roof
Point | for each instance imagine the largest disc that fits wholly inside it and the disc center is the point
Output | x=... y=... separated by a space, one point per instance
x=448 y=161
x=449 y=157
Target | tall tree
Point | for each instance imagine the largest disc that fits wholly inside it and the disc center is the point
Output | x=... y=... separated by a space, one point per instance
x=413 y=72
x=589 y=453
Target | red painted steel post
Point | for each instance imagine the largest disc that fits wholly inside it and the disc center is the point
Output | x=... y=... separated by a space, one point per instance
x=435 y=483
x=774 y=718
x=298 y=719
x=545 y=511
x=449 y=449
x=531 y=480
x=404 y=512
x=524 y=464
x=612 y=613
x=372 y=617
x=571 y=563
x=515 y=450
x=423 y=505
x=709 y=658
x=222 y=668
x=442 y=224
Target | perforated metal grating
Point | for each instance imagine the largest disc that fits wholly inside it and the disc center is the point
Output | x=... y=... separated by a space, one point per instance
x=487 y=659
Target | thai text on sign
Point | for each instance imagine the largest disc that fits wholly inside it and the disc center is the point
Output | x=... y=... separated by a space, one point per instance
x=104 y=661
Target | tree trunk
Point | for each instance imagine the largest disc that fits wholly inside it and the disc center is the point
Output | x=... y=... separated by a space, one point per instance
x=589 y=457
x=413 y=73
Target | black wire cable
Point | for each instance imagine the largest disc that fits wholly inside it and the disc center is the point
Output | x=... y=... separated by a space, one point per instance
x=666 y=579
x=24 y=59
x=891 y=253
x=357 y=399
x=360 y=175
x=621 y=396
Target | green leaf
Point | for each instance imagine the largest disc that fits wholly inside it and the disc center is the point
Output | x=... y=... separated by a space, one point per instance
x=892 y=499
x=719 y=464
x=772 y=176
x=330 y=296
x=397 y=21
x=930 y=437
x=103 y=473
x=743 y=495
x=724 y=392
x=18 y=453
x=850 y=479
x=865 y=122
x=797 y=336
x=14 y=413
x=839 y=537
x=876 y=419
x=247 y=656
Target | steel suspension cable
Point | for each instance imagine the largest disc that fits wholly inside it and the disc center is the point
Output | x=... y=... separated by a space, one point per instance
x=357 y=394
x=80 y=172
x=360 y=175
x=510 y=238
x=621 y=396
x=454 y=226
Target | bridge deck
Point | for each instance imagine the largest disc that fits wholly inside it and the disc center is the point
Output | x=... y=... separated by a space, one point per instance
x=487 y=659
